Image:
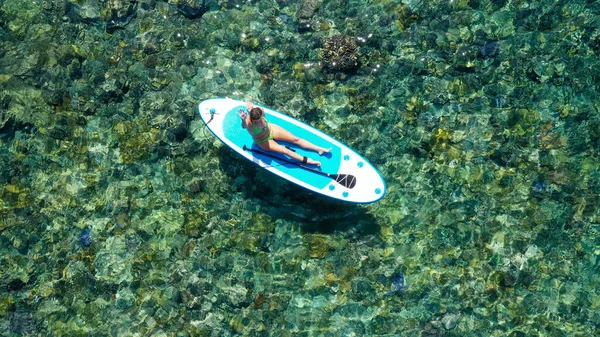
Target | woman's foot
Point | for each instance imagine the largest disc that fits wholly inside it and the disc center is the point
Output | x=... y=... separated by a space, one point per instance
x=312 y=162
x=323 y=150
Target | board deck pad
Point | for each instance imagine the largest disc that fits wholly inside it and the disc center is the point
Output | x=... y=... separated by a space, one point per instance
x=221 y=117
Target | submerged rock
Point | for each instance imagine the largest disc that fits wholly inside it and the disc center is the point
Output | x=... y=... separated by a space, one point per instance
x=509 y=279
x=112 y=263
x=88 y=12
x=489 y=49
x=151 y=48
x=317 y=246
x=22 y=323
x=125 y=298
x=361 y=289
x=539 y=189
x=10 y=125
x=191 y=10
x=450 y=321
x=307 y=9
x=340 y=53
x=120 y=15
x=594 y=44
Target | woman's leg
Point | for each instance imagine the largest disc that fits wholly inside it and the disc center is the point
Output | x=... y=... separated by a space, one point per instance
x=280 y=133
x=272 y=145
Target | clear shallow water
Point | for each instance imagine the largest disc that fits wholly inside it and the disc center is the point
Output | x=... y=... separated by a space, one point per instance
x=122 y=216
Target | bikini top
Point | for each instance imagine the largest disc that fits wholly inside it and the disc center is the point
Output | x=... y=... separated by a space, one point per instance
x=256 y=130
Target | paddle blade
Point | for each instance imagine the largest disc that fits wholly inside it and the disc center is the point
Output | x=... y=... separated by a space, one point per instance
x=346 y=180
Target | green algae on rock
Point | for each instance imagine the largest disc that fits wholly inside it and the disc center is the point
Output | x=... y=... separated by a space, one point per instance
x=317 y=246
x=113 y=265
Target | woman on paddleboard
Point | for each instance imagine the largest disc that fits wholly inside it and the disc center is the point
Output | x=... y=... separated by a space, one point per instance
x=265 y=135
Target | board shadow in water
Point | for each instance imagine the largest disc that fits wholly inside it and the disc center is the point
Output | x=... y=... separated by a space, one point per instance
x=282 y=199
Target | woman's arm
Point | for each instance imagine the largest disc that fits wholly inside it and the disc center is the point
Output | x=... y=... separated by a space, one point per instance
x=244 y=115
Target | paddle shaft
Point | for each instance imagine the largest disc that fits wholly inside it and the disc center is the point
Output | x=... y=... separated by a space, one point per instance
x=346 y=180
x=289 y=162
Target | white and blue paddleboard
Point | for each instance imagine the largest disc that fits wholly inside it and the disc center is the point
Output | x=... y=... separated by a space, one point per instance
x=343 y=174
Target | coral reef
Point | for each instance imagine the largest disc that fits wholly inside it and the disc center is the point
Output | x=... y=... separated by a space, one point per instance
x=340 y=53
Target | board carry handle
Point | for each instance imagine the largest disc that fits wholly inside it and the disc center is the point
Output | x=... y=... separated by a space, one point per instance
x=346 y=180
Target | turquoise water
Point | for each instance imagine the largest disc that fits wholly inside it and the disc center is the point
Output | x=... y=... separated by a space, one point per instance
x=123 y=216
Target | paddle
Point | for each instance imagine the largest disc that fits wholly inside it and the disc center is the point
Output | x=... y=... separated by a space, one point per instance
x=346 y=180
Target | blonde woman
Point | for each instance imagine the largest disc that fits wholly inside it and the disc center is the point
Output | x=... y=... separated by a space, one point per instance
x=267 y=134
